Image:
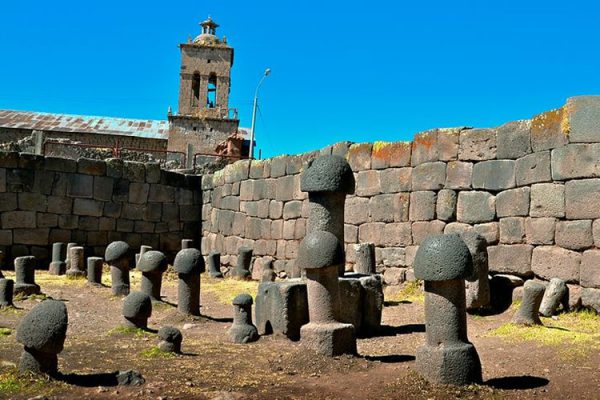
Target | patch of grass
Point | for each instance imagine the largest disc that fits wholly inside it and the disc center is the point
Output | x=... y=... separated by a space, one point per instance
x=5 y=331
x=574 y=333
x=227 y=289
x=12 y=382
x=125 y=330
x=155 y=352
x=410 y=292
x=39 y=297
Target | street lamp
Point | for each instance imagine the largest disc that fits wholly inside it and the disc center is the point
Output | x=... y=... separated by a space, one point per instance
x=251 y=152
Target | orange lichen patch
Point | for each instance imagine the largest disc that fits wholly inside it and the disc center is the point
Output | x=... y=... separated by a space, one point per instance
x=550 y=123
x=381 y=153
x=399 y=153
x=359 y=156
x=426 y=139
x=424 y=147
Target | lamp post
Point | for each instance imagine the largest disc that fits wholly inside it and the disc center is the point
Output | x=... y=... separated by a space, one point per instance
x=251 y=152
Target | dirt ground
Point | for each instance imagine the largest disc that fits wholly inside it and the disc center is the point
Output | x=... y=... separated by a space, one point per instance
x=515 y=366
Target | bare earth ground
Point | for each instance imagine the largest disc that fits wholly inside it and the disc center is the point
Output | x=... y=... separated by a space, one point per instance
x=516 y=364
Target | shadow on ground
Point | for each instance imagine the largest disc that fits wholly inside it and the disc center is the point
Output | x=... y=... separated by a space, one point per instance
x=517 y=382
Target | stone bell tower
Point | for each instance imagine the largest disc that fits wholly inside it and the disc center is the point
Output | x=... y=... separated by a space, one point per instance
x=204 y=122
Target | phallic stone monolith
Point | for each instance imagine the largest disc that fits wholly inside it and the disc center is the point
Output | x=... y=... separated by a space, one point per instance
x=25 y=276
x=477 y=290
x=6 y=292
x=187 y=244
x=268 y=273
x=365 y=258
x=444 y=262
x=214 y=264
x=152 y=264
x=533 y=292
x=320 y=255
x=244 y=260
x=137 y=308
x=143 y=249
x=42 y=332
x=76 y=262
x=117 y=256
x=58 y=266
x=328 y=180
x=188 y=264
x=554 y=296
x=94 y=270
x=170 y=339
x=67 y=254
x=243 y=330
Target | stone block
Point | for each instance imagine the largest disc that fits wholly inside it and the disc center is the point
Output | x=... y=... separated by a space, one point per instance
x=356 y=210
x=247 y=190
x=107 y=224
x=32 y=202
x=153 y=172
x=18 y=219
x=385 y=154
x=9 y=159
x=31 y=161
x=20 y=180
x=275 y=209
x=263 y=208
x=90 y=166
x=278 y=166
x=514 y=140
x=8 y=201
x=350 y=233
x=143 y=227
x=259 y=190
x=88 y=207
x=161 y=193
x=424 y=147
x=459 y=175
x=549 y=130
x=429 y=176
x=512 y=230
x=389 y=207
x=368 y=183
x=37 y=236
x=422 y=206
x=284 y=188
x=80 y=186
x=448 y=139
x=125 y=225
x=574 y=235
x=475 y=207
x=512 y=259
x=584 y=118
x=60 y=164
x=371 y=232
x=114 y=168
x=547 y=200
x=513 y=203
x=490 y=231
x=88 y=223
x=2 y=180
x=494 y=175
x=394 y=180
x=281 y=308
x=477 y=145
x=112 y=210
x=576 y=161
x=554 y=262
x=294 y=165
x=359 y=156
x=103 y=188
x=292 y=209
x=138 y=192
x=590 y=269
x=6 y=237
x=590 y=298
x=446 y=205
x=68 y=221
x=397 y=234
x=45 y=220
x=289 y=227
x=340 y=148
x=540 y=230
x=582 y=198
x=394 y=276
x=135 y=171
x=457 y=227
x=421 y=230
x=257 y=170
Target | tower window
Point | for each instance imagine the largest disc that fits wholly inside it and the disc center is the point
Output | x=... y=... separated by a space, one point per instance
x=211 y=95
x=196 y=89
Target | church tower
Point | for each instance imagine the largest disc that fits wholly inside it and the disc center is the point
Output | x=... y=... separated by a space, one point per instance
x=204 y=122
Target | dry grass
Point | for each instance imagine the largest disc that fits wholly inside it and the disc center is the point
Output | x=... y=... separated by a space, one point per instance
x=409 y=292
x=226 y=289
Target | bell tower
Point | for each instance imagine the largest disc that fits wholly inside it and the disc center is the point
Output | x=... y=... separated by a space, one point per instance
x=204 y=122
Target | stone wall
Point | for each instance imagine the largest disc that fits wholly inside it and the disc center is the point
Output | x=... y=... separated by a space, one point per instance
x=92 y=202
x=531 y=188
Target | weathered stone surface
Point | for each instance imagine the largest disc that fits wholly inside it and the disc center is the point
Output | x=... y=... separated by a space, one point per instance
x=477 y=286
x=371 y=232
x=575 y=161
x=475 y=207
x=549 y=130
x=393 y=180
x=554 y=262
x=421 y=230
x=448 y=143
x=394 y=276
x=513 y=139
x=397 y=234
x=389 y=207
x=8 y=202
x=359 y=156
x=512 y=230
x=281 y=308
x=584 y=118
x=400 y=154
x=477 y=144
x=18 y=219
x=582 y=198
x=555 y=294
x=356 y=210
x=513 y=203
x=446 y=205
x=368 y=183
x=429 y=176
x=547 y=200
x=533 y=168
x=574 y=235
x=422 y=206
x=494 y=175
x=458 y=175
x=527 y=314
x=590 y=298
x=134 y=171
x=80 y=186
x=443 y=258
x=510 y=259
x=91 y=167
x=540 y=230
x=424 y=147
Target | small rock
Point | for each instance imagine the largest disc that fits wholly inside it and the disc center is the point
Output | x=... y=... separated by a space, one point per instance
x=102 y=389
x=189 y=326
x=130 y=377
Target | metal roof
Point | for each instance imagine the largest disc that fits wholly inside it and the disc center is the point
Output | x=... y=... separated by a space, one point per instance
x=150 y=129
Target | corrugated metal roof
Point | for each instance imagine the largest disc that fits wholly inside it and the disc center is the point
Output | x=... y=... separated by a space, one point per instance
x=150 y=129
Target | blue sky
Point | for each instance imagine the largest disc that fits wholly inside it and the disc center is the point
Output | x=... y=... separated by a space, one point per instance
x=353 y=70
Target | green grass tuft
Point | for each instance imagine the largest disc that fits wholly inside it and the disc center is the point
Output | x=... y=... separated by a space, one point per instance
x=125 y=330
x=155 y=352
x=410 y=292
x=5 y=331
